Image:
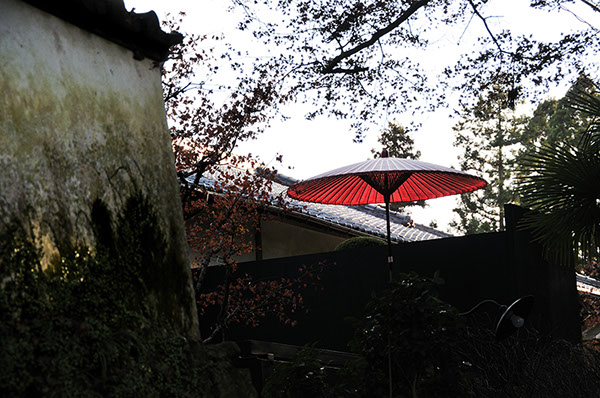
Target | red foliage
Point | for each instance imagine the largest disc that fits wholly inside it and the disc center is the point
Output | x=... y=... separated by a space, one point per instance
x=222 y=222
x=590 y=304
x=251 y=300
x=207 y=122
x=208 y=119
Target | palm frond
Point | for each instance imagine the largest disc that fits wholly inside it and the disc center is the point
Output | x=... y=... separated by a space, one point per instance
x=562 y=185
x=584 y=100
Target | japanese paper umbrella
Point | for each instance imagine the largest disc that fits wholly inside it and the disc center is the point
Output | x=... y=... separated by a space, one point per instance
x=385 y=180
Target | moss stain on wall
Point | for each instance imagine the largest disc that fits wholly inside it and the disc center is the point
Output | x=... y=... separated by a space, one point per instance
x=82 y=124
x=85 y=326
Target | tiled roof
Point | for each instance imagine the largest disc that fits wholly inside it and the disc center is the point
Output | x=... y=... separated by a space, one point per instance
x=141 y=33
x=364 y=219
x=370 y=219
x=585 y=284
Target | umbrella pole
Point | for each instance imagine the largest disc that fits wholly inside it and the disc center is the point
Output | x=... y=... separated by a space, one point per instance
x=390 y=263
x=389 y=236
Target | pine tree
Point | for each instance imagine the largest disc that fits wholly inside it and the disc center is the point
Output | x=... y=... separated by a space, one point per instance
x=399 y=144
x=489 y=134
x=397 y=140
x=495 y=141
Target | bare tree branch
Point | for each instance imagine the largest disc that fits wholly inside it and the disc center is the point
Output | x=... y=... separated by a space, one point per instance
x=330 y=67
x=579 y=18
x=484 y=20
x=592 y=5
x=348 y=71
x=220 y=326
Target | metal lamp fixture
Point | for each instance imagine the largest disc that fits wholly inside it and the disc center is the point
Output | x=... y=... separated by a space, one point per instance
x=513 y=317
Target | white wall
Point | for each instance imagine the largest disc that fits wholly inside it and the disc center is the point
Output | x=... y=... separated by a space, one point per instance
x=281 y=239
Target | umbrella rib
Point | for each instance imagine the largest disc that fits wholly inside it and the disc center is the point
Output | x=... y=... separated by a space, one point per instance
x=307 y=190
x=408 y=187
x=325 y=189
x=445 y=185
x=462 y=184
x=342 y=193
x=401 y=193
x=435 y=187
x=426 y=189
x=310 y=191
x=359 y=192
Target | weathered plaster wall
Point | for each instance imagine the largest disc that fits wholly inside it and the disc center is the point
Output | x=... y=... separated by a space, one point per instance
x=80 y=120
x=281 y=239
x=284 y=238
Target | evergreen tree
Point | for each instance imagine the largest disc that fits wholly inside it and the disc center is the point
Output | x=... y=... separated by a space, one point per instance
x=557 y=122
x=489 y=134
x=495 y=141
x=397 y=140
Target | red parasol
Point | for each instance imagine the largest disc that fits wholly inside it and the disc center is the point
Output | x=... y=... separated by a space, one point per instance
x=385 y=180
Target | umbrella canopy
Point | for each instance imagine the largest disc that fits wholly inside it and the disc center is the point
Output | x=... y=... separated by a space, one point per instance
x=385 y=180
x=371 y=181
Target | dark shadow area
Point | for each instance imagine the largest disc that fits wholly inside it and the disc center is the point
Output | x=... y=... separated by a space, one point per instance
x=500 y=266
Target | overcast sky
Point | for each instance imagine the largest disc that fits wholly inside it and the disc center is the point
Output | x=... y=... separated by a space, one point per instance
x=312 y=147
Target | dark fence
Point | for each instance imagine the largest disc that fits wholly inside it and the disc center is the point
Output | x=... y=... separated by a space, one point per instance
x=501 y=266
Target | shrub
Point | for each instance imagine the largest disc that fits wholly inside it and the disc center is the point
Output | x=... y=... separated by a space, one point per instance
x=304 y=376
x=83 y=327
x=438 y=353
x=359 y=242
x=422 y=334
